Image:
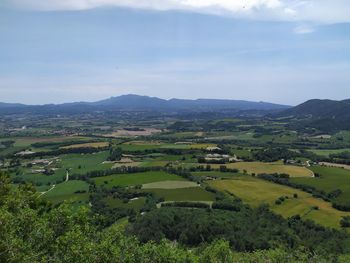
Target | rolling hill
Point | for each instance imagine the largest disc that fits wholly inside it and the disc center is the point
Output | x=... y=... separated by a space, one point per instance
x=327 y=116
x=320 y=109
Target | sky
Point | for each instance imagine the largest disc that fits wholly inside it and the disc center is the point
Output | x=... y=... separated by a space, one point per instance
x=281 y=51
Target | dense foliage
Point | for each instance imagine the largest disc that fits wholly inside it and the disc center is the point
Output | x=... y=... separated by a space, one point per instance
x=246 y=229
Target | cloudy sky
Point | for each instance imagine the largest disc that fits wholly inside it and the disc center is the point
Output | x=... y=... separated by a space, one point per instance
x=283 y=51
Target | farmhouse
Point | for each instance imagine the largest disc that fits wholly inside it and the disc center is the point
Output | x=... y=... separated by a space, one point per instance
x=41 y=162
x=213 y=148
x=24 y=153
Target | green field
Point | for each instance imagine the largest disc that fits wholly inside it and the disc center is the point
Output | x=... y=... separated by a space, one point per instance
x=254 y=192
x=270 y=168
x=136 y=178
x=170 y=185
x=326 y=153
x=28 y=141
x=331 y=179
x=183 y=194
x=66 y=192
x=82 y=163
x=117 y=203
x=214 y=174
x=142 y=146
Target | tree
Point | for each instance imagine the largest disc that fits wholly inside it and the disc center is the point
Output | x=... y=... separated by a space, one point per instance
x=115 y=154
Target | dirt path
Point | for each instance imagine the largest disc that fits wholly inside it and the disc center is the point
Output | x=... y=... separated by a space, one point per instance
x=52 y=187
x=67 y=176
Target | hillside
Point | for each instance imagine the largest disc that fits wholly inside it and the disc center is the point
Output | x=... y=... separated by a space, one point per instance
x=320 y=109
x=326 y=116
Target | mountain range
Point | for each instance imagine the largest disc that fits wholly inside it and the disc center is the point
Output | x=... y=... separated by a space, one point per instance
x=313 y=109
x=143 y=103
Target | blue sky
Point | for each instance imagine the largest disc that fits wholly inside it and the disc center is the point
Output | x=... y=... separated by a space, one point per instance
x=283 y=51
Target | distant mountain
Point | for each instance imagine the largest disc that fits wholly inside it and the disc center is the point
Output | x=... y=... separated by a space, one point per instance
x=144 y=103
x=326 y=116
x=10 y=105
x=320 y=109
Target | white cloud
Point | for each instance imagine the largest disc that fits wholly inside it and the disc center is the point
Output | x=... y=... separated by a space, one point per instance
x=320 y=11
x=303 y=29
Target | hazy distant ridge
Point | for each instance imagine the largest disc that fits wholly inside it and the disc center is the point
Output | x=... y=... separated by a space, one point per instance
x=136 y=102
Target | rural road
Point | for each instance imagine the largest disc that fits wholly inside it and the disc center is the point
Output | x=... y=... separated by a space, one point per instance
x=53 y=187
x=67 y=176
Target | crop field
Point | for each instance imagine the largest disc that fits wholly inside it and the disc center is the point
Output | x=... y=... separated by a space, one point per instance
x=241 y=153
x=87 y=145
x=270 y=168
x=82 y=163
x=328 y=152
x=331 y=179
x=214 y=174
x=117 y=203
x=66 y=191
x=27 y=141
x=170 y=185
x=40 y=179
x=136 y=178
x=254 y=192
x=183 y=194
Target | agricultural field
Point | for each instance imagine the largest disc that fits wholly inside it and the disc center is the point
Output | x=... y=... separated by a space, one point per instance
x=67 y=191
x=214 y=174
x=170 y=185
x=326 y=153
x=125 y=177
x=136 y=178
x=137 y=203
x=256 y=192
x=86 y=145
x=182 y=194
x=82 y=163
x=270 y=168
x=331 y=179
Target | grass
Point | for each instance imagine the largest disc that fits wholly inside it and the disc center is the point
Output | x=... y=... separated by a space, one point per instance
x=40 y=178
x=142 y=146
x=87 y=145
x=66 y=191
x=254 y=192
x=183 y=194
x=332 y=178
x=83 y=163
x=270 y=168
x=326 y=153
x=136 y=178
x=117 y=203
x=214 y=174
x=170 y=185
x=27 y=141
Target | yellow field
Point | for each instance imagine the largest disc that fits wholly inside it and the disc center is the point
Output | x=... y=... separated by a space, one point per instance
x=86 y=145
x=202 y=145
x=270 y=168
x=254 y=192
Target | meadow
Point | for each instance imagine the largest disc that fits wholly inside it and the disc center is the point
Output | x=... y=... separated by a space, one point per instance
x=136 y=178
x=270 y=168
x=66 y=191
x=331 y=178
x=255 y=192
x=182 y=194
x=170 y=185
